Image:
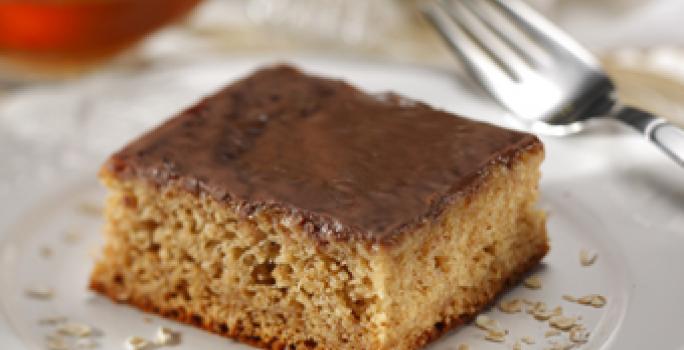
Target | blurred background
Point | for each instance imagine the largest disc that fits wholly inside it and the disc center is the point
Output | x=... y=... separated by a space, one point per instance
x=62 y=61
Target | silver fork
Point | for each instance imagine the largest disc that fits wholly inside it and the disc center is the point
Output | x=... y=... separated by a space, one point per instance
x=538 y=72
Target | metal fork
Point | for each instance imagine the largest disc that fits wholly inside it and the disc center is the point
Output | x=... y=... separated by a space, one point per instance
x=538 y=72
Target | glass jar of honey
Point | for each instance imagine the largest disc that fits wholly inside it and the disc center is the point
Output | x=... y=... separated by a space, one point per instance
x=60 y=37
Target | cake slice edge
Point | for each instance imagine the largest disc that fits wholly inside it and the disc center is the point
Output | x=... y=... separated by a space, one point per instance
x=368 y=306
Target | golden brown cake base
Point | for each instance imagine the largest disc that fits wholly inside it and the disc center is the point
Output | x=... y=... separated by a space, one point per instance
x=263 y=280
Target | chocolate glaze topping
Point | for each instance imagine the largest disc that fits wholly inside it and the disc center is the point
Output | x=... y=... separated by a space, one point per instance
x=346 y=163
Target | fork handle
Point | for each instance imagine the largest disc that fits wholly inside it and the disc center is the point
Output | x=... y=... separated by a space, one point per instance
x=668 y=137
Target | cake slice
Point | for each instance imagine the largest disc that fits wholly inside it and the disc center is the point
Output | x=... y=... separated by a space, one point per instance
x=297 y=212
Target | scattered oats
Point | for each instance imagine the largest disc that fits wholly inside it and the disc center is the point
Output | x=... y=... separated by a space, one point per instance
x=511 y=306
x=533 y=282
x=563 y=323
x=166 y=336
x=463 y=347
x=486 y=323
x=587 y=258
x=86 y=344
x=540 y=312
x=497 y=336
x=494 y=332
x=46 y=252
x=561 y=346
x=579 y=335
x=75 y=329
x=585 y=300
x=136 y=343
x=499 y=332
x=90 y=209
x=552 y=333
x=52 y=321
x=528 y=302
x=517 y=345
x=569 y=298
x=40 y=292
x=536 y=306
x=56 y=343
x=594 y=300
x=598 y=301
x=527 y=340
x=542 y=315
x=72 y=236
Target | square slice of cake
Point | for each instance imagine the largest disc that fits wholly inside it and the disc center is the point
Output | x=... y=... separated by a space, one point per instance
x=296 y=212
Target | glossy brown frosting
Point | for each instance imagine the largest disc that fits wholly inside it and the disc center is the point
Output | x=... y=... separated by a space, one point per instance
x=345 y=163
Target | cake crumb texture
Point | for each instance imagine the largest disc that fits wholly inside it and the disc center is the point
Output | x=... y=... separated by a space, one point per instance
x=262 y=279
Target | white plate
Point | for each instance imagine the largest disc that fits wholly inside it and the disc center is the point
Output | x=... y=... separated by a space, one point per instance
x=606 y=191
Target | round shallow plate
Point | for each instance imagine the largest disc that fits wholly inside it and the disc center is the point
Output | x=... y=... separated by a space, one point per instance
x=606 y=191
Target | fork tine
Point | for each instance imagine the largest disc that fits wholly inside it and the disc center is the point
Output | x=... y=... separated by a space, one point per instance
x=545 y=33
x=493 y=18
x=480 y=64
x=473 y=23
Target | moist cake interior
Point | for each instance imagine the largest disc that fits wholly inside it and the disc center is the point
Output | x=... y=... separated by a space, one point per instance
x=291 y=211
